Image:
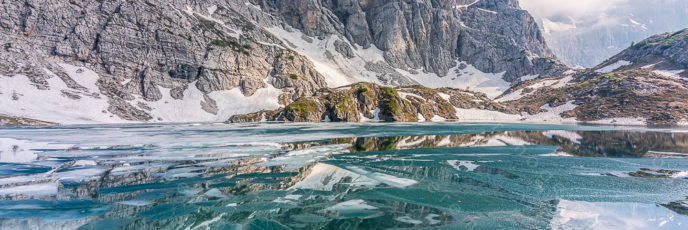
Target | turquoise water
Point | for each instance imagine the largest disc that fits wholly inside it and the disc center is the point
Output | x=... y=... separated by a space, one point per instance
x=343 y=176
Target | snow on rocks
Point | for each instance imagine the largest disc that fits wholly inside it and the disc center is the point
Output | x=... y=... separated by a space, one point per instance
x=492 y=84
x=669 y=73
x=485 y=115
x=59 y=103
x=612 y=67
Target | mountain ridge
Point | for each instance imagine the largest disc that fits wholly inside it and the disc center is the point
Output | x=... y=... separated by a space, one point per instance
x=207 y=61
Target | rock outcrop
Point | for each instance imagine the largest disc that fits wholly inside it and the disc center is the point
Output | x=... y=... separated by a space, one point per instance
x=366 y=101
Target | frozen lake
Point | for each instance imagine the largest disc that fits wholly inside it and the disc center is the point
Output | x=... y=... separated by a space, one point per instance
x=343 y=176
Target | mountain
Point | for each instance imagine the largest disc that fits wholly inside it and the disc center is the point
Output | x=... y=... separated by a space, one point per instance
x=586 y=32
x=646 y=83
x=90 y=61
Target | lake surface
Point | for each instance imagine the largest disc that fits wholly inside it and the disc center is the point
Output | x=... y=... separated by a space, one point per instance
x=343 y=176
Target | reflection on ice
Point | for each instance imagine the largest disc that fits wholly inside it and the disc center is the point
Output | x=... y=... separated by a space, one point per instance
x=342 y=176
x=601 y=215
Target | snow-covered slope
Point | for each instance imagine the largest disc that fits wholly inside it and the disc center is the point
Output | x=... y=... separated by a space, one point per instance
x=369 y=65
x=58 y=103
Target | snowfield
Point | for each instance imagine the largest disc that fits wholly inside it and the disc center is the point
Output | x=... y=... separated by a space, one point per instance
x=21 y=98
x=612 y=67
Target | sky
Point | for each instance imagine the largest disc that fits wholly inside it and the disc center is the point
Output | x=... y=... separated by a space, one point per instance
x=596 y=13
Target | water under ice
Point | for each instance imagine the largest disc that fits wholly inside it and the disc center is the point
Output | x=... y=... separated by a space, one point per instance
x=343 y=176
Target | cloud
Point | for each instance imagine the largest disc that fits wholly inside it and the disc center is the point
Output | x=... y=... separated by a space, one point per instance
x=578 y=13
x=576 y=9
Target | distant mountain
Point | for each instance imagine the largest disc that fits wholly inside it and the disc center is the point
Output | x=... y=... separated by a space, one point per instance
x=585 y=33
x=646 y=83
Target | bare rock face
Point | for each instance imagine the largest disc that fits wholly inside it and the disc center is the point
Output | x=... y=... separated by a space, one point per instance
x=294 y=71
x=493 y=35
x=138 y=47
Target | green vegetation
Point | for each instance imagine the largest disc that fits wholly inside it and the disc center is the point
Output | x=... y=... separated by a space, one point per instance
x=390 y=106
x=291 y=57
x=666 y=45
x=233 y=44
x=293 y=76
x=302 y=106
x=73 y=2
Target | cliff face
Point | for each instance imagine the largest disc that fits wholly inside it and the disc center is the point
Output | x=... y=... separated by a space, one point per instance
x=492 y=35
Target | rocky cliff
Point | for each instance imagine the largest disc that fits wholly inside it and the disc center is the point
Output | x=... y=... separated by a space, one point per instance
x=492 y=35
x=140 y=53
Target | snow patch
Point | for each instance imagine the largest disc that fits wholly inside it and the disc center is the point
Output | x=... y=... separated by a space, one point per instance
x=23 y=99
x=492 y=84
x=444 y=96
x=612 y=67
x=420 y=117
x=488 y=11
x=212 y=9
x=669 y=73
x=229 y=102
x=484 y=115
x=553 y=114
x=438 y=118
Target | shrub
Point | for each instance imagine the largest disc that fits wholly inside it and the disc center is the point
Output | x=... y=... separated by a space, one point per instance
x=293 y=76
